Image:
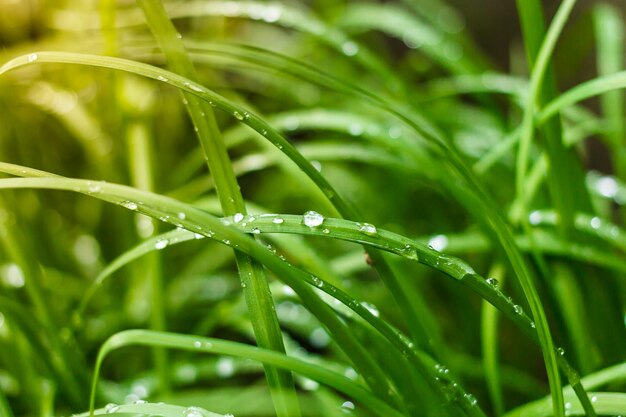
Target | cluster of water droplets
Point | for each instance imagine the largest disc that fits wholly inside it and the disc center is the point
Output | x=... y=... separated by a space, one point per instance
x=451 y=389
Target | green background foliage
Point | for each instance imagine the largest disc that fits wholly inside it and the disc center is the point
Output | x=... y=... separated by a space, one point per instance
x=319 y=208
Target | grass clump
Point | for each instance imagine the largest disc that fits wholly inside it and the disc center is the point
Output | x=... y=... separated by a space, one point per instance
x=249 y=208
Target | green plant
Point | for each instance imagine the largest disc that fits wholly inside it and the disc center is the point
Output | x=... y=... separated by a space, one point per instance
x=427 y=158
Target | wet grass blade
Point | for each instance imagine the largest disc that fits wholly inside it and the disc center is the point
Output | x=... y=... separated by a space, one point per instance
x=218 y=346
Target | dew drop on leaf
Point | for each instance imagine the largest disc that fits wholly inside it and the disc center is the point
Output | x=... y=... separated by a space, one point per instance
x=312 y=219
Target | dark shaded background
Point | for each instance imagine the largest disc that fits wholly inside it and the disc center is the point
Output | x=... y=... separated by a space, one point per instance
x=495 y=27
x=494 y=23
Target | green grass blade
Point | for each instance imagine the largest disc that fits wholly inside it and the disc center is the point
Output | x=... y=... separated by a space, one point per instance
x=256 y=290
x=218 y=346
x=161 y=207
x=609 y=32
x=489 y=339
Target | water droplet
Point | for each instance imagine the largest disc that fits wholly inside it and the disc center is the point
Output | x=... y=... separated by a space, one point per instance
x=355 y=129
x=256 y=231
x=607 y=186
x=225 y=367
x=568 y=405
x=161 y=244
x=438 y=243
x=532 y=324
x=317 y=165
x=237 y=217
x=350 y=48
x=493 y=282
x=312 y=219
x=371 y=308
x=129 y=205
x=196 y=88
x=197 y=344
x=111 y=408
x=182 y=215
x=368 y=229
x=535 y=217
x=518 y=309
x=319 y=338
x=139 y=402
x=193 y=412
x=272 y=13
x=162 y=78
x=326 y=231
x=351 y=374
x=291 y=123
x=32 y=57
x=594 y=399
x=560 y=351
x=278 y=220
x=94 y=188
x=238 y=115
x=309 y=384
x=394 y=132
x=347 y=405
x=595 y=223
x=198 y=236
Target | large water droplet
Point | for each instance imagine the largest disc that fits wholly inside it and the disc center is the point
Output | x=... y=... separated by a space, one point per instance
x=111 y=408
x=368 y=229
x=438 y=243
x=518 y=309
x=238 y=115
x=312 y=219
x=278 y=220
x=237 y=217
